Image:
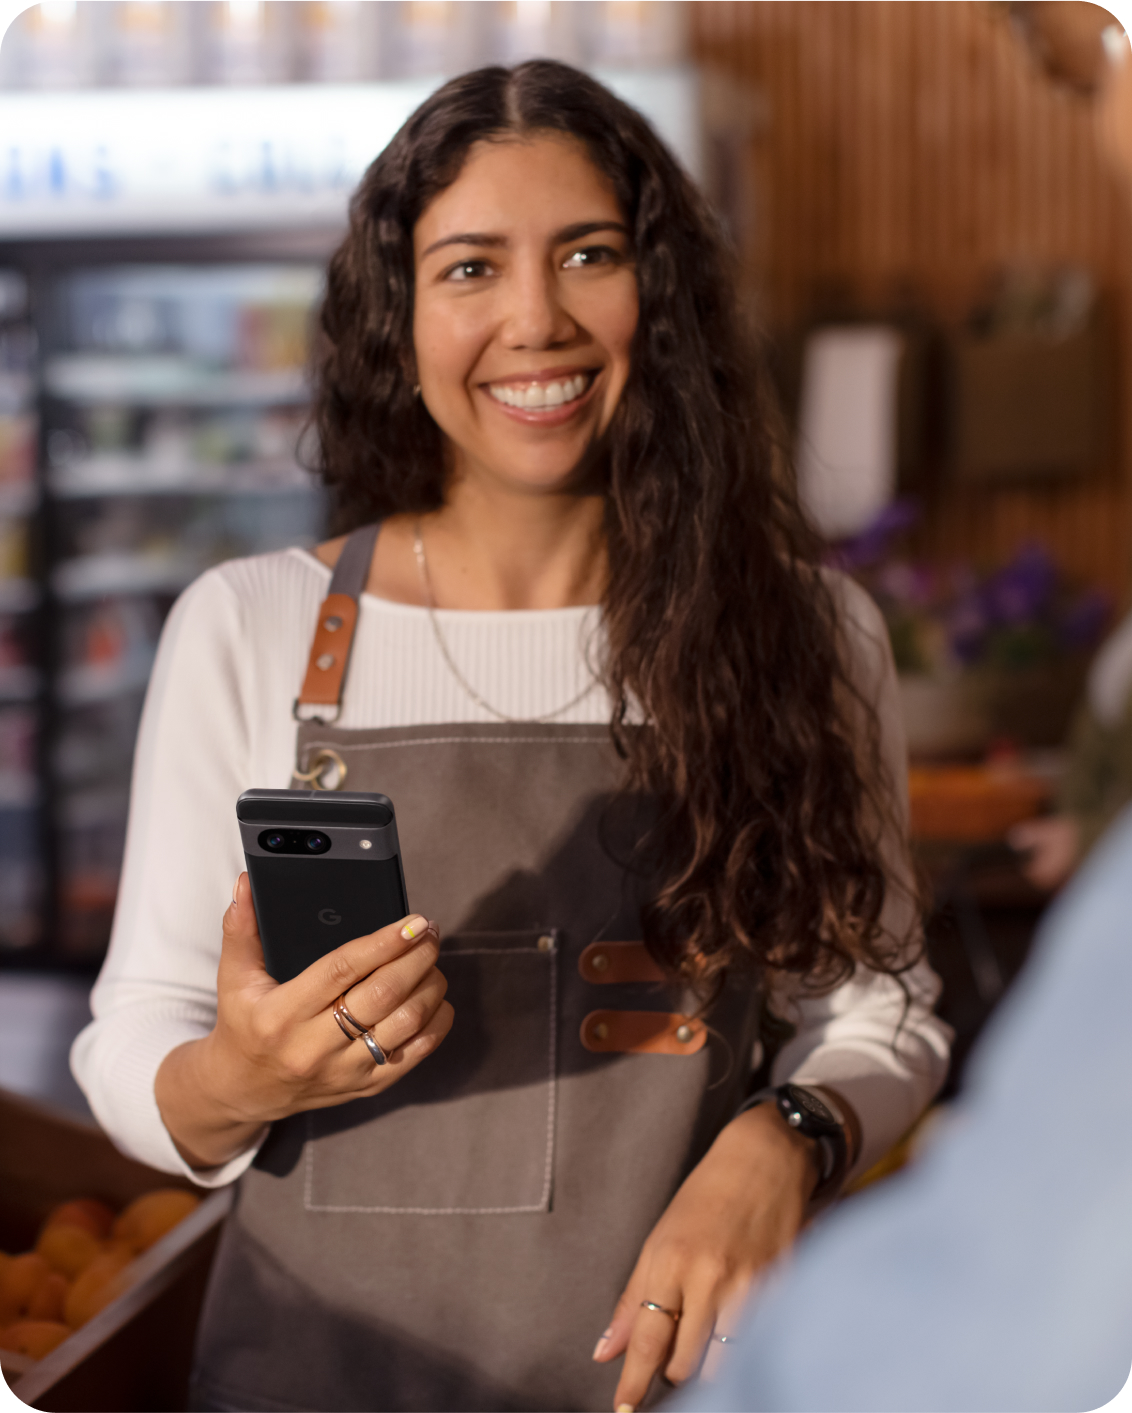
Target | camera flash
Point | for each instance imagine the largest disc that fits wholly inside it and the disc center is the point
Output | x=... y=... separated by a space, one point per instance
x=365 y=843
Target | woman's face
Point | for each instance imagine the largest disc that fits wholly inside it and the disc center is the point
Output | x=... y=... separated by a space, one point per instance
x=526 y=306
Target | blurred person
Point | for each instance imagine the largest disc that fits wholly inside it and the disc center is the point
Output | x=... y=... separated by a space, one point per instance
x=611 y=696
x=995 y=1273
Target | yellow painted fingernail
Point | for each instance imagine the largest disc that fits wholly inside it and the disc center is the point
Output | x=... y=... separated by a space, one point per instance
x=626 y=1408
x=414 y=927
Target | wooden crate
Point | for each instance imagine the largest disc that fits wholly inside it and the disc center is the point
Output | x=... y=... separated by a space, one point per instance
x=134 y=1354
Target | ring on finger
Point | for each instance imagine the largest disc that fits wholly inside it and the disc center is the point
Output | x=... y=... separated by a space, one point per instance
x=379 y=1055
x=351 y=1028
x=660 y=1309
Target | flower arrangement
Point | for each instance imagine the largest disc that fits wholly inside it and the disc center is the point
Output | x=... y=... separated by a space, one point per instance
x=948 y=619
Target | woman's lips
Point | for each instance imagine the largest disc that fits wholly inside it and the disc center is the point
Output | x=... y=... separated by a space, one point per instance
x=543 y=400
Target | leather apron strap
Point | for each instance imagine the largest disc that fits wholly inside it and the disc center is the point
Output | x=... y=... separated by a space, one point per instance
x=320 y=698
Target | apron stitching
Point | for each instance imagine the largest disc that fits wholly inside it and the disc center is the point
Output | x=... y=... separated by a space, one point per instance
x=458 y=741
x=543 y=1203
x=552 y=1081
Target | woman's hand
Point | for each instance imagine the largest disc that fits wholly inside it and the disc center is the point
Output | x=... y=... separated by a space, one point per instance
x=1052 y=849
x=276 y=1049
x=740 y=1207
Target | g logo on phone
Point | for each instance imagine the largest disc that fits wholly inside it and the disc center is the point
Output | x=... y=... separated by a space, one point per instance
x=329 y=917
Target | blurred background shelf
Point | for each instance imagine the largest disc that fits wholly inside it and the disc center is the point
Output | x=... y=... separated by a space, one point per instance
x=19 y=684
x=19 y=595
x=160 y=380
x=107 y=575
x=137 y=476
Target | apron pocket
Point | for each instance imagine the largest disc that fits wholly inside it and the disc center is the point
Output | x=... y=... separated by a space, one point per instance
x=471 y=1129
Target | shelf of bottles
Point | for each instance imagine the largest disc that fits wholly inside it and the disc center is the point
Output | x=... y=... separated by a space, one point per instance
x=172 y=400
x=21 y=680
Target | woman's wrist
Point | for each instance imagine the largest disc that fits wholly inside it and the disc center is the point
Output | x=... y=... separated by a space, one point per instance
x=759 y=1135
x=204 y=1124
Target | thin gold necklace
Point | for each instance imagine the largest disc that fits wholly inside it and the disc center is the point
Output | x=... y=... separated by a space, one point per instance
x=430 y=606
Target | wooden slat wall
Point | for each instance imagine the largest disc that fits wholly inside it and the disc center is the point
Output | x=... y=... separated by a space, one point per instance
x=910 y=150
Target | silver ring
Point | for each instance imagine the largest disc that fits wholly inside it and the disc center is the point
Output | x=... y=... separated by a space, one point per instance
x=660 y=1309
x=345 y=1019
x=379 y=1055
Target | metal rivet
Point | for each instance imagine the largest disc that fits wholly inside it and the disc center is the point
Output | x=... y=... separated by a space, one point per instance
x=332 y=624
x=599 y=961
x=794 y=1119
x=599 y=1030
x=684 y=1033
x=365 y=843
x=325 y=662
x=546 y=943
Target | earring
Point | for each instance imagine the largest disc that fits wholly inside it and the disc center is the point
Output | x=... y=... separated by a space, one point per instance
x=416 y=389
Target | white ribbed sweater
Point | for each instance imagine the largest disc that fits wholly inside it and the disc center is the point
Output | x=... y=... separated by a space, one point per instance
x=218 y=720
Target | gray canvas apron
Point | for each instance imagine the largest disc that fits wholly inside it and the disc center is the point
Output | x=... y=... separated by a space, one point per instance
x=460 y=1241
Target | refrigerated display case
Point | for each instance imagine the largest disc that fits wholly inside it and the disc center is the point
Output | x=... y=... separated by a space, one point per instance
x=21 y=676
x=151 y=430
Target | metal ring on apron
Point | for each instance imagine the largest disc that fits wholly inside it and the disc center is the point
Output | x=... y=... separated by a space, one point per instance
x=328 y=773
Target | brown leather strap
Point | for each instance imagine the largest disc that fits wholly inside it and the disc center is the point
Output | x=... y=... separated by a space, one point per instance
x=609 y=963
x=643 y=1033
x=334 y=633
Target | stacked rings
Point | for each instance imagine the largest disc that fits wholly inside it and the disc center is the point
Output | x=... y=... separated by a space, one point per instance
x=354 y=1030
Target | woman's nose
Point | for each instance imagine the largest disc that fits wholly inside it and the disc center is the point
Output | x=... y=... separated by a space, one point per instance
x=535 y=316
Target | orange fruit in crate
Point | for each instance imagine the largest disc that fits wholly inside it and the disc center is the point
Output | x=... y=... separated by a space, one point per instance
x=97 y=1286
x=151 y=1215
x=49 y=1298
x=20 y=1278
x=34 y=1337
x=68 y=1249
x=86 y=1212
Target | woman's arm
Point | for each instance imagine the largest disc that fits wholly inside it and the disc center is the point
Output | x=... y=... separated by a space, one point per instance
x=877 y=1048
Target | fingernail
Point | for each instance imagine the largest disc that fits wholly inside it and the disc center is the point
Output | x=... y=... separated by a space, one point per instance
x=600 y=1345
x=414 y=927
x=235 y=887
x=626 y=1408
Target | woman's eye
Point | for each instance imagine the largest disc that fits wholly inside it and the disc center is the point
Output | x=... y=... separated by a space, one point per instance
x=467 y=270
x=591 y=255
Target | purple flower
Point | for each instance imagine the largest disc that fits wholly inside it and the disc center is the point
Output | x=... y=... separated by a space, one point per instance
x=1022 y=589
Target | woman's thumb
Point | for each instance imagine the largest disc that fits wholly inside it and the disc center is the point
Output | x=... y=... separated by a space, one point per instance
x=242 y=950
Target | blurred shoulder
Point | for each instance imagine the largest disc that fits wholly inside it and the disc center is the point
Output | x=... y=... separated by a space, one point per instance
x=864 y=633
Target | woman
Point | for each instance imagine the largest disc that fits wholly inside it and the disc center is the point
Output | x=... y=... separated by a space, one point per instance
x=632 y=739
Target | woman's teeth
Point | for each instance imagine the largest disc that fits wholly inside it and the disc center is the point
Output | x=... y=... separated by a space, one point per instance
x=539 y=395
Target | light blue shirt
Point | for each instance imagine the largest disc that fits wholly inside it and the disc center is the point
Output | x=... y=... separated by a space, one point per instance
x=996 y=1274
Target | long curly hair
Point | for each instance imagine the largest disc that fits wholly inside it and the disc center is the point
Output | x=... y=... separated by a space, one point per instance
x=721 y=632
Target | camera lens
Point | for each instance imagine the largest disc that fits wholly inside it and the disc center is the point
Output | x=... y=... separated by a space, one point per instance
x=317 y=843
x=274 y=841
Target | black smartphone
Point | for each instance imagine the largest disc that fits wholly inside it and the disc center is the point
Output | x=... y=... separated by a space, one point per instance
x=324 y=868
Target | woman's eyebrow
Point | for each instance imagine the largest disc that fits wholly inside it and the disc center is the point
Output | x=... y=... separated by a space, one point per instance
x=465 y=238
x=563 y=237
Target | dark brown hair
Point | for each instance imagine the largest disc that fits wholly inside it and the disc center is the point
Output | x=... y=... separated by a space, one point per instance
x=722 y=634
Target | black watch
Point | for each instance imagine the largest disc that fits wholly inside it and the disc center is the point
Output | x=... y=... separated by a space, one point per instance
x=815 y=1118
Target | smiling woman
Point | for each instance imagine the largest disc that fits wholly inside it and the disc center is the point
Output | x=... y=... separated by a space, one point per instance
x=648 y=773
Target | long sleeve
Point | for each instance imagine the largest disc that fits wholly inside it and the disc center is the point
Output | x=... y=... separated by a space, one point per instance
x=872 y=1039
x=158 y=986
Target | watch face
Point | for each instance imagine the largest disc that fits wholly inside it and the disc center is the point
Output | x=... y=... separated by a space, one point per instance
x=810 y=1105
